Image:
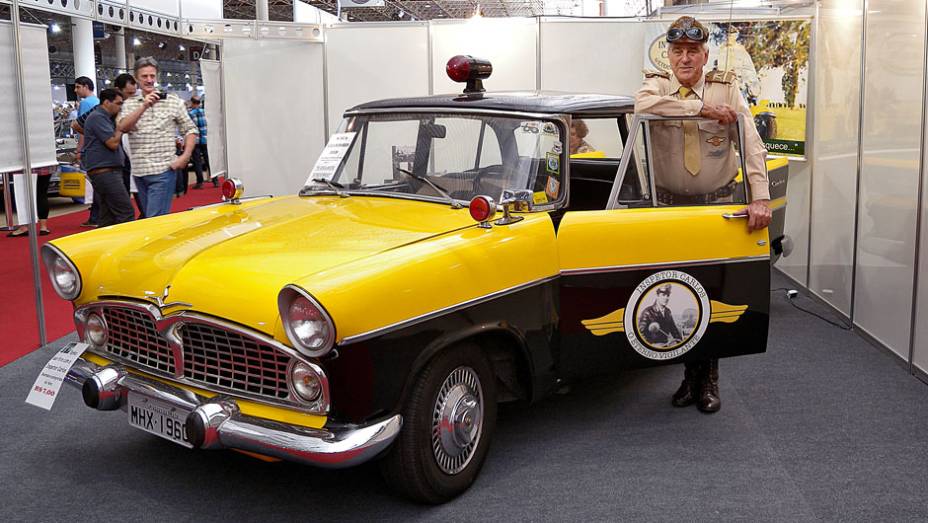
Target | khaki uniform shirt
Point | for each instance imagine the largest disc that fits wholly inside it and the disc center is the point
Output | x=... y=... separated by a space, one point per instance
x=660 y=95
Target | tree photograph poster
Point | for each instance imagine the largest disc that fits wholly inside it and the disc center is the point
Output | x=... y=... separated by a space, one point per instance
x=770 y=60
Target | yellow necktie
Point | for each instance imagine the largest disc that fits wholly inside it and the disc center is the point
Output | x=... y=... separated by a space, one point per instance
x=692 y=155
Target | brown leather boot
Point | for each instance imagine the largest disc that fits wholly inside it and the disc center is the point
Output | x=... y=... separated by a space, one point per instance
x=709 y=400
x=689 y=389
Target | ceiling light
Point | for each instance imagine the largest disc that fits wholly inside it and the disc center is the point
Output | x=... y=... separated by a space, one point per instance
x=136 y=42
x=55 y=27
x=181 y=48
x=107 y=81
x=169 y=75
x=161 y=45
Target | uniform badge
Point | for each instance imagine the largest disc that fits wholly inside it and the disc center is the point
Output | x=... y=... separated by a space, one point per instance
x=715 y=140
x=557 y=148
x=666 y=316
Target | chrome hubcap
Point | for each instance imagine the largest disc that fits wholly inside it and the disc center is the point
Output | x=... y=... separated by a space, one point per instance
x=457 y=420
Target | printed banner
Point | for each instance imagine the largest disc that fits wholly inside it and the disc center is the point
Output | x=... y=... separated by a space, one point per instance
x=771 y=62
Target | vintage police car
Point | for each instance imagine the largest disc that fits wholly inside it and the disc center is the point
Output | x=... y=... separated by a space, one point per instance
x=447 y=253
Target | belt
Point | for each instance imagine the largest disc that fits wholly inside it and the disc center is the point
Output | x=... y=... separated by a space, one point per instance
x=669 y=198
x=100 y=170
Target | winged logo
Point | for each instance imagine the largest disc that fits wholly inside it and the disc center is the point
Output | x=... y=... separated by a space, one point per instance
x=614 y=321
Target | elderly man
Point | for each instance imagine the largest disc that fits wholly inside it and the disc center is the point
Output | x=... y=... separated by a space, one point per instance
x=697 y=164
x=152 y=120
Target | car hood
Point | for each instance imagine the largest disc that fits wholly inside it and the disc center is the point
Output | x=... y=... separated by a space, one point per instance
x=232 y=260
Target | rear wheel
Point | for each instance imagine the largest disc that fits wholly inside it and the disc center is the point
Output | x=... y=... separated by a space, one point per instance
x=449 y=420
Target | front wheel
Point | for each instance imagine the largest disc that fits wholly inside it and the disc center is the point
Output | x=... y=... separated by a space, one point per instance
x=449 y=420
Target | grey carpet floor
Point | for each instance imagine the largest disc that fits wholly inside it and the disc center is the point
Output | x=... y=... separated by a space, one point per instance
x=821 y=427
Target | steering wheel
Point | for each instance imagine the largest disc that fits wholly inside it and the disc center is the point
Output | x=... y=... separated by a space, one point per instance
x=498 y=172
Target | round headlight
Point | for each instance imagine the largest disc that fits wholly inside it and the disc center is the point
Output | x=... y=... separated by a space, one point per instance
x=65 y=278
x=306 y=382
x=95 y=330
x=308 y=326
x=307 y=323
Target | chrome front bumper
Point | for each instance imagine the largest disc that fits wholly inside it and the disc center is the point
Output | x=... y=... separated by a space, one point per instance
x=217 y=423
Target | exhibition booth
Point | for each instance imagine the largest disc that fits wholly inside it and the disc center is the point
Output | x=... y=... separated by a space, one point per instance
x=391 y=258
x=855 y=191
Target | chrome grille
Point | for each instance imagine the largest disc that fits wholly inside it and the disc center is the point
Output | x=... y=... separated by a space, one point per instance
x=132 y=336
x=229 y=360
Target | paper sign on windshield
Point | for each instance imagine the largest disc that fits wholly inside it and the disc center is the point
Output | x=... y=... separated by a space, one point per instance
x=331 y=156
x=45 y=389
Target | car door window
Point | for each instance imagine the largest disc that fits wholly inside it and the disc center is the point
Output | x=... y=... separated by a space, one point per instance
x=664 y=169
x=595 y=138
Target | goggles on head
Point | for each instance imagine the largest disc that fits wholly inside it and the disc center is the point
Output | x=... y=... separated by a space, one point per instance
x=696 y=34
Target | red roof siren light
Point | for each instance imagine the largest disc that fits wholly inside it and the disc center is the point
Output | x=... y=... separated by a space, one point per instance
x=466 y=68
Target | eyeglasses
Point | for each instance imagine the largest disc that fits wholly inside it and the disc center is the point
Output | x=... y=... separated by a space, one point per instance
x=693 y=33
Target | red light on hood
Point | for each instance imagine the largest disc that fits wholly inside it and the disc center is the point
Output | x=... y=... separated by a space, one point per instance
x=228 y=189
x=482 y=208
x=232 y=189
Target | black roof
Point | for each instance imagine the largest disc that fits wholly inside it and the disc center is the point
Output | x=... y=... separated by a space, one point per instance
x=554 y=102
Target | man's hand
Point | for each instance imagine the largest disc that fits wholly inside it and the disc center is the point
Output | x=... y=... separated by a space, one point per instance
x=179 y=163
x=758 y=213
x=150 y=100
x=723 y=113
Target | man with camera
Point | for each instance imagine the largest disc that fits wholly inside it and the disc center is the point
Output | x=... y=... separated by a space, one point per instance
x=152 y=120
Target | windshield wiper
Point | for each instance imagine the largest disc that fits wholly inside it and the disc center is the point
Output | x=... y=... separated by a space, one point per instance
x=439 y=189
x=335 y=186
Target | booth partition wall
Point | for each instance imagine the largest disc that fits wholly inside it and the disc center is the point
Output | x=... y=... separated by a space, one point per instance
x=855 y=210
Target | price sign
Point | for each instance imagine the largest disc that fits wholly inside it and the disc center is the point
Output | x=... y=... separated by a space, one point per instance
x=45 y=389
x=331 y=156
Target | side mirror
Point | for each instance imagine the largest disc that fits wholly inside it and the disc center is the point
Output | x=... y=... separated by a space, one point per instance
x=519 y=201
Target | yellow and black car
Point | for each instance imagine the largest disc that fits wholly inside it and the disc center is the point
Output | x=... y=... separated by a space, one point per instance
x=447 y=253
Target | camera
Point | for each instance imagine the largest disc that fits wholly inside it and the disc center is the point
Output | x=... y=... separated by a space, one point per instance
x=162 y=95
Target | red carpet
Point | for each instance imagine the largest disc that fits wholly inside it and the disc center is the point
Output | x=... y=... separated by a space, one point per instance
x=18 y=324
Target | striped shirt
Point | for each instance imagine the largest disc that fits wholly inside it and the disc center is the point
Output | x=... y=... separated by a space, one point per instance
x=152 y=142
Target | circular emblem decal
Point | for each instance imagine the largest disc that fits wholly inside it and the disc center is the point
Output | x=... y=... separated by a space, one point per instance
x=657 y=53
x=667 y=315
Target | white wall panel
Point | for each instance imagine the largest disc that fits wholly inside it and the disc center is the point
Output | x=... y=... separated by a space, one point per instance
x=375 y=62
x=274 y=112
x=834 y=154
x=509 y=43
x=798 y=193
x=215 y=118
x=566 y=49
x=891 y=141
x=920 y=343
x=38 y=99
x=920 y=349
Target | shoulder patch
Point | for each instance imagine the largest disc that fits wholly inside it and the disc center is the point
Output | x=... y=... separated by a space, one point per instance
x=723 y=77
x=651 y=73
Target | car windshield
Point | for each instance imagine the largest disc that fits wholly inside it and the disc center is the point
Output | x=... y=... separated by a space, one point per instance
x=442 y=157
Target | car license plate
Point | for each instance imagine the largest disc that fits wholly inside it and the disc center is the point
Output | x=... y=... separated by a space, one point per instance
x=158 y=418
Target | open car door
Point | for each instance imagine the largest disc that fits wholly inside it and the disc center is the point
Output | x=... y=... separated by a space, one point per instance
x=644 y=284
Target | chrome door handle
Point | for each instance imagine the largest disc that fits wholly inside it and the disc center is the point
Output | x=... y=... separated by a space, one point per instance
x=731 y=215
